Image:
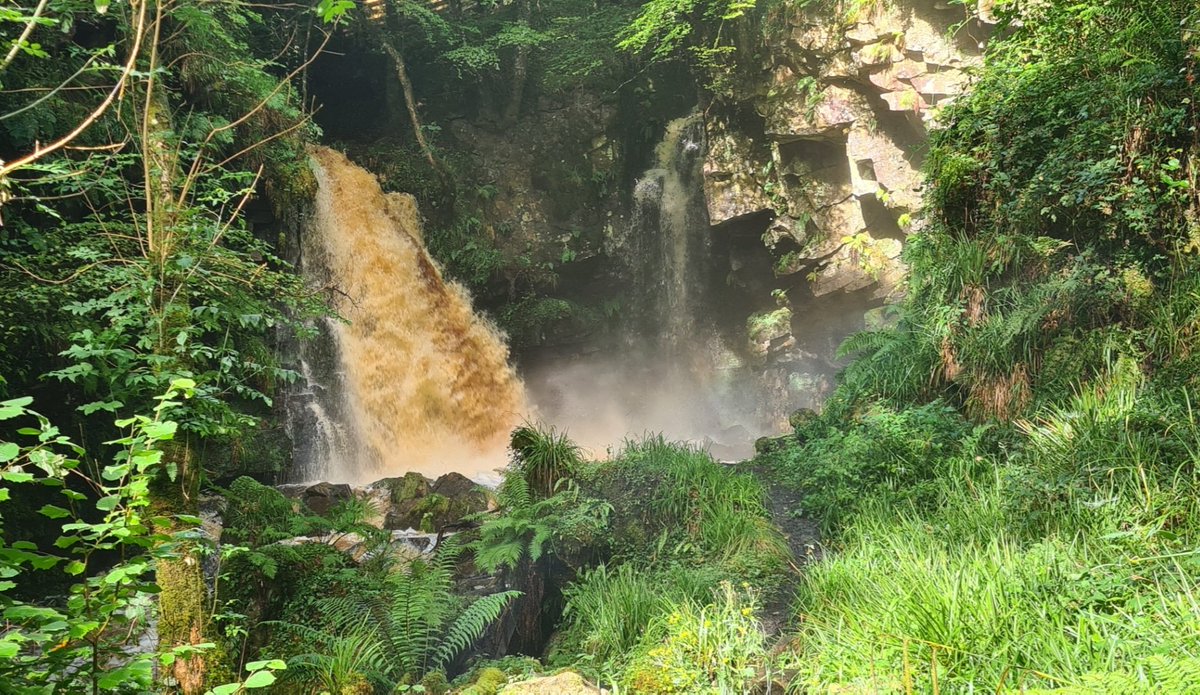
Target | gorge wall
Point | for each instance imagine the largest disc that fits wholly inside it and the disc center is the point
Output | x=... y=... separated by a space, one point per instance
x=663 y=260
x=810 y=181
x=819 y=163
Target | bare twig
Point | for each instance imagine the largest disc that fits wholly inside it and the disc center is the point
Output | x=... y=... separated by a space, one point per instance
x=41 y=151
x=65 y=280
x=16 y=47
x=53 y=90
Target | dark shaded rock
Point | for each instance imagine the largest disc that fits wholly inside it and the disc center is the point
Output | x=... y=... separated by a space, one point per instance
x=407 y=487
x=765 y=445
x=414 y=502
x=322 y=497
x=462 y=496
x=801 y=418
x=455 y=485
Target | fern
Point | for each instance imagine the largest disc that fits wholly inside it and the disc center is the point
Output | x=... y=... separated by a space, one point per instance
x=470 y=625
x=343 y=662
x=524 y=528
x=409 y=620
x=1159 y=674
x=865 y=343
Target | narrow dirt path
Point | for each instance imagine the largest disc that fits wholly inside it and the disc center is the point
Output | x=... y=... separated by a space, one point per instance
x=803 y=538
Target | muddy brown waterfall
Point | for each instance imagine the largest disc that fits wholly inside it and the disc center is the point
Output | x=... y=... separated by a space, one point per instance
x=413 y=379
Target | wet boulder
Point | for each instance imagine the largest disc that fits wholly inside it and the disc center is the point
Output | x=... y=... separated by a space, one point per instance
x=322 y=497
x=414 y=502
x=766 y=445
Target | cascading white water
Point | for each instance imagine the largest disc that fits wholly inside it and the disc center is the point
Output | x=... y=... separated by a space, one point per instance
x=668 y=376
x=669 y=236
x=413 y=379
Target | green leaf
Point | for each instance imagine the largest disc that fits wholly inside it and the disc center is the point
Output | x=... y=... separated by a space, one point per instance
x=16 y=476
x=9 y=451
x=109 y=503
x=259 y=679
x=26 y=612
x=53 y=512
x=274 y=664
x=227 y=689
x=75 y=567
x=160 y=430
x=12 y=408
x=45 y=562
x=96 y=406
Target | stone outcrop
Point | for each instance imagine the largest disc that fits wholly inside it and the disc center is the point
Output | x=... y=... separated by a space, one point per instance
x=820 y=159
x=837 y=153
x=410 y=502
x=416 y=502
x=543 y=179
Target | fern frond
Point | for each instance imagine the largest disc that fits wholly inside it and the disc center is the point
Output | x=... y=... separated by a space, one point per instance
x=541 y=534
x=493 y=556
x=865 y=342
x=469 y=626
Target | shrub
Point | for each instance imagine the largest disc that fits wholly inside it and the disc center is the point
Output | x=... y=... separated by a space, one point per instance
x=543 y=457
x=713 y=648
x=686 y=506
x=885 y=453
x=608 y=609
x=258 y=514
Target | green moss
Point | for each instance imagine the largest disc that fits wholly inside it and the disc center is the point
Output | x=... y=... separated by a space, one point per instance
x=765 y=325
x=490 y=680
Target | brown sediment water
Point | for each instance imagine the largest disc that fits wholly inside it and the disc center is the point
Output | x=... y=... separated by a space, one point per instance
x=425 y=381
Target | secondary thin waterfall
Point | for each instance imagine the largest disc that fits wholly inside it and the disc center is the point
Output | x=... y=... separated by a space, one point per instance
x=668 y=371
x=413 y=379
x=670 y=250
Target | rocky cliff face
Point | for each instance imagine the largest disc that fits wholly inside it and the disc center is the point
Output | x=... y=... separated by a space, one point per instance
x=808 y=185
x=819 y=162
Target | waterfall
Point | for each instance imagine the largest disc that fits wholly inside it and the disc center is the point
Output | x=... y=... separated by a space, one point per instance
x=669 y=240
x=669 y=373
x=412 y=379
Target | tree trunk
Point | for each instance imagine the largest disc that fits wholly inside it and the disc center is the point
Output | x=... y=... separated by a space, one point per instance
x=411 y=103
x=182 y=601
x=183 y=593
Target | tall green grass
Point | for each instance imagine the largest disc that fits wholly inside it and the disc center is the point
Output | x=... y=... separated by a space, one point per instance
x=698 y=506
x=609 y=609
x=1072 y=563
x=683 y=524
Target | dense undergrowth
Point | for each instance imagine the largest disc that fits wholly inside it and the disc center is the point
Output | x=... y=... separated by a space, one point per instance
x=1009 y=476
x=661 y=552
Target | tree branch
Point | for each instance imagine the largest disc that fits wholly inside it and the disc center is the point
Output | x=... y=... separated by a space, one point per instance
x=16 y=47
x=83 y=125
